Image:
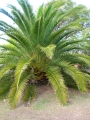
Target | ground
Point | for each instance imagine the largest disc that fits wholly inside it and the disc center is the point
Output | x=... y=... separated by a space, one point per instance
x=47 y=107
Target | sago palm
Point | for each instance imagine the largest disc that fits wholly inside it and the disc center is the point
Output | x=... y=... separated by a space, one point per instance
x=40 y=43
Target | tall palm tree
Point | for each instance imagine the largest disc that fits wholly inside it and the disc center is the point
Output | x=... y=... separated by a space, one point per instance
x=40 y=43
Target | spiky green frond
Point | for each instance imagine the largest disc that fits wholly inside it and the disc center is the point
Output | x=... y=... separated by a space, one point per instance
x=29 y=93
x=84 y=60
x=49 y=50
x=27 y=9
x=57 y=82
x=75 y=74
x=5 y=84
x=15 y=93
x=5 y=68
x=21 y=67
x=40 y=11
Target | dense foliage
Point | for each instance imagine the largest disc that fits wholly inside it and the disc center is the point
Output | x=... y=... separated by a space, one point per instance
x=41 y=45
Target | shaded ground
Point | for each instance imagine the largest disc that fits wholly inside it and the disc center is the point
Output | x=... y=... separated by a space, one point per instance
x=47 y=107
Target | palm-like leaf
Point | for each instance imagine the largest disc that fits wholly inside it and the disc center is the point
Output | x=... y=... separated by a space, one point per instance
x=58 y=83
x=5 y=84
x=75 y=74
x=15 y=93
x=29 y=93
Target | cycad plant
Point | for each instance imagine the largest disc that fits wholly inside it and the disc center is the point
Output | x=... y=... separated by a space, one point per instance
x=39 y=45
